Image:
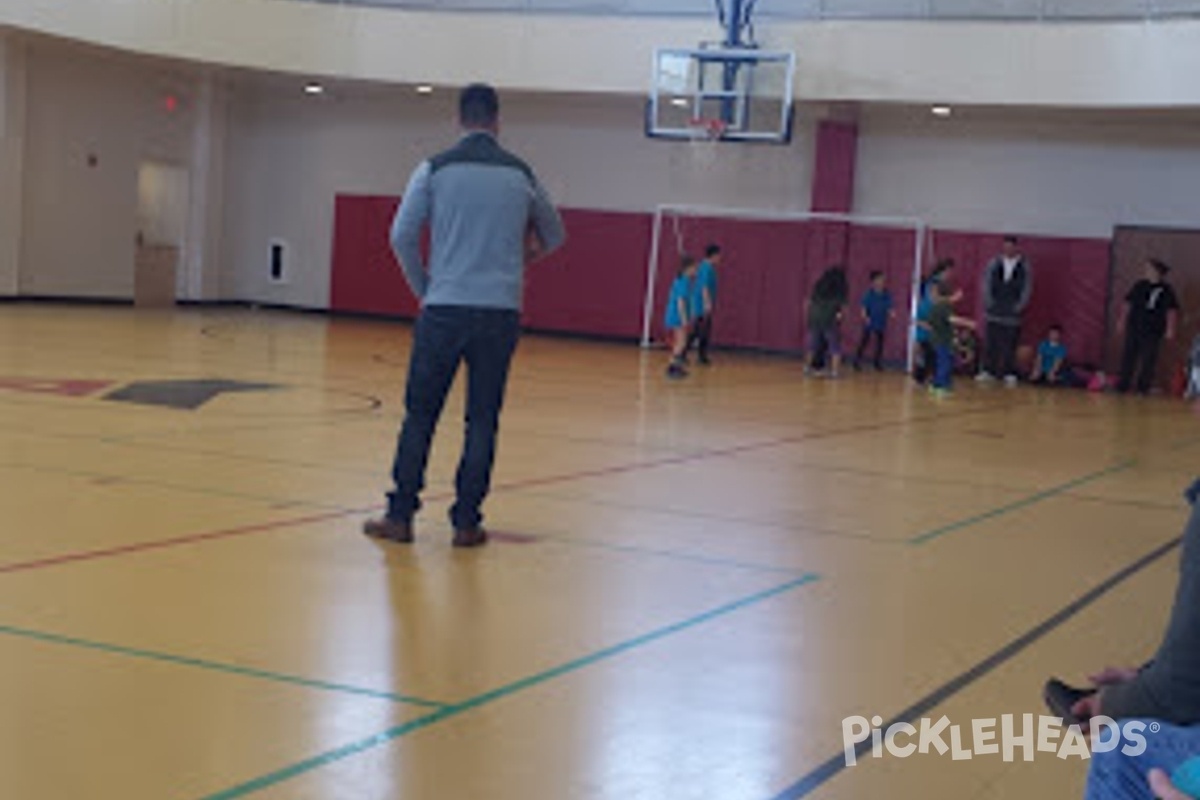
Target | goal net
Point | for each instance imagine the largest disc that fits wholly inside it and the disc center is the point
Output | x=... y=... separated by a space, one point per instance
x=770 y=261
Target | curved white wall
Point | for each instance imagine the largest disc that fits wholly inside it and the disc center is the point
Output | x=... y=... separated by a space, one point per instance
x=1070 y=64
x=290 y=156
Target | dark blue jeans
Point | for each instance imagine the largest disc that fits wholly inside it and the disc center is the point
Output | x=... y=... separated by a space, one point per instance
x=943 y=374
x=446 y=336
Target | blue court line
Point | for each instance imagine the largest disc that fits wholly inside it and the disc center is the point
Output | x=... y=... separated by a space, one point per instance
x=487 y=698
x=832 y=767
x=213 y=666
x=1024 y=502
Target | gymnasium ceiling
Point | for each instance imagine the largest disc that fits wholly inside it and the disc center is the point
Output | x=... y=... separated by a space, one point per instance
x=836 y=9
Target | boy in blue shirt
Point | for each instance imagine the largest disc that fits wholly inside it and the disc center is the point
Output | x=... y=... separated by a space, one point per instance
x=935 y=284
x=940 y=322
x=1050 y=363
x=876 y=311
x=704 y=300
x=678 y=316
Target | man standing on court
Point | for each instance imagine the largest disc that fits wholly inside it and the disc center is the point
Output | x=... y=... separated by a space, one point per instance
x=488 y=216
x=1007 y=287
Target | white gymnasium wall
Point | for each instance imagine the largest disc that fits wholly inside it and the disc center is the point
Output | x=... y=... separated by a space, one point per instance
x=12 y=160
x=289 y=155
x=280 y=157
x=80 y=222
x=1075 y=174
x=1126 y=64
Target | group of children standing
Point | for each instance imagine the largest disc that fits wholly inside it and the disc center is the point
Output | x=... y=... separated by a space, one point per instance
x=936 y=322
x=692 y=299
x=826 y=307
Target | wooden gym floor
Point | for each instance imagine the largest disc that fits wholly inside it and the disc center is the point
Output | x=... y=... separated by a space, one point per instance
x=694 y=583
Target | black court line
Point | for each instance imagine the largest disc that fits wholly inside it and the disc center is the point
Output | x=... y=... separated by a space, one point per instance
x=831 y=768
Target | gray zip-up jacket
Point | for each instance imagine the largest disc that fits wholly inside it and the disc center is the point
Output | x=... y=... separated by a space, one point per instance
x=1005 y=301
x=480 y=203
x=1168 y=688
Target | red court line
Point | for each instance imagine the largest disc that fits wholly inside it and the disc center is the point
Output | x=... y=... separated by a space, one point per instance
x=617 y=469
x=159 y=544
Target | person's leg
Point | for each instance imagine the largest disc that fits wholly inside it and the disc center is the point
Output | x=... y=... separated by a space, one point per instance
x=926 y=362
x=1012 y=339
x=815 y=358
x=438 y=341
x=833 y=341
x=944 y=372
x=690 y=337
x=879 y=350
x=680 y=341
x=862 y=346
x=489 y=352
x=1116 y=776
x=1150 y=349
x=705 y=336
x=1129 y=359
x=991 y=350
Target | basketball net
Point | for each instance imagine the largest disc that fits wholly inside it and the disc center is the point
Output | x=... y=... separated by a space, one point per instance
x=706 y=136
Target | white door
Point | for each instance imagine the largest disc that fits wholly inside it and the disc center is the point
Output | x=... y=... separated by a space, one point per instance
x=162 y=232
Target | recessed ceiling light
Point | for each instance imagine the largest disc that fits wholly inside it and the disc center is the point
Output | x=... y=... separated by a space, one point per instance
x=942 y=111
x=425 y=88
x=314 y=88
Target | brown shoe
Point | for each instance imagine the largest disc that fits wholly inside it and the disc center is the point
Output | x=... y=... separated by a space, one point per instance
x=389 y=529
x=470 y=537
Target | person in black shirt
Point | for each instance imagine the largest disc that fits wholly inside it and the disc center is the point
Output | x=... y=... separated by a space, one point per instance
x=1148 y=317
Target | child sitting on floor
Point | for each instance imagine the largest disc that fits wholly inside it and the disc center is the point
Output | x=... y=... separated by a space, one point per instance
x=1050 y=362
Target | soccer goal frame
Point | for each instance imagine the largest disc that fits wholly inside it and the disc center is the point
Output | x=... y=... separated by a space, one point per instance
x=663 y=212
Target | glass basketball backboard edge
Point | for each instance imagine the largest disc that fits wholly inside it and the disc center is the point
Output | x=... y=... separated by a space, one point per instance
x=746 y=89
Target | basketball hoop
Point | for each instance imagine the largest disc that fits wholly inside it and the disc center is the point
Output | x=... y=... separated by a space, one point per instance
x=705 y=134
x=707 y=129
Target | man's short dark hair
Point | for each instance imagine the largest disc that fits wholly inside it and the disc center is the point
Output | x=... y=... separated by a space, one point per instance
x=478 y=106
x=1010 y=239
x=1160 y=267
x=1055 y=328
x=876 y=274
x=712 y=250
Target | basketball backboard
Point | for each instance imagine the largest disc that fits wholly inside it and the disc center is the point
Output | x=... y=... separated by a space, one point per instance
x=748 y=90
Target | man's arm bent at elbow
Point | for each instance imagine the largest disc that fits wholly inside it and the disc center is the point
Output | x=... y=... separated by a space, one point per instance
x=546 y=222
x=406 y=230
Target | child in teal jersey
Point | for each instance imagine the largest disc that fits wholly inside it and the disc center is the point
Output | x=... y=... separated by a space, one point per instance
x=679 y=315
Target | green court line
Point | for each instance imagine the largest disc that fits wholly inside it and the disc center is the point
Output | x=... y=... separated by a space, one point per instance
x=371 y=742
x=1024 y=502
x=213 y=666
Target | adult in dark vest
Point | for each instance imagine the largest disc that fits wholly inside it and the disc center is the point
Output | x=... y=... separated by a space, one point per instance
x=1007 y=287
